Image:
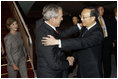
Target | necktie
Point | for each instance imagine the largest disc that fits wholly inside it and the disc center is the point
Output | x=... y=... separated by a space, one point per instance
x=101 y=23
x=57 y=31
x=84 y=31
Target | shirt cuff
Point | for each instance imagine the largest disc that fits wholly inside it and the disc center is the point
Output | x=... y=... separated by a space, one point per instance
x=78 y=25
x=59 y=43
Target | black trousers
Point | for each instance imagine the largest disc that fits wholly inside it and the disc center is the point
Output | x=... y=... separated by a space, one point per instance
x=106 y=57
x=115 y=52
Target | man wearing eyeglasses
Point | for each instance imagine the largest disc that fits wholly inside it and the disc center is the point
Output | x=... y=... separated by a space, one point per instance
x=88 y=44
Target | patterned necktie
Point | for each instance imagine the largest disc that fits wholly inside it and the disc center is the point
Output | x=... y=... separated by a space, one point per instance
x=101 y=23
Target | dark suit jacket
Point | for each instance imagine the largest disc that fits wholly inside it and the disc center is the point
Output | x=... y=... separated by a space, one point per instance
x=89 y=50
x=51 y=61
x=108 y=40
x=113 y=24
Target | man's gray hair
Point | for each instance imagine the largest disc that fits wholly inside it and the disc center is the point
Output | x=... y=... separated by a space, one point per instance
x=50 y=11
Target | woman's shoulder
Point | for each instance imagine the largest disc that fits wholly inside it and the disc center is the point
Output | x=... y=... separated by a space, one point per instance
x=8 y=37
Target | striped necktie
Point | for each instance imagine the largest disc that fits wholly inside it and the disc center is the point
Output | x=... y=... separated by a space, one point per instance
x=101 y=23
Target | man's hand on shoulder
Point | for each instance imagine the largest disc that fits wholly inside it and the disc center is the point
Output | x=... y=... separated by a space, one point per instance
x=49 y=41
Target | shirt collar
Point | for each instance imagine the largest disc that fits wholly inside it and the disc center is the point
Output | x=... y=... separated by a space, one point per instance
x=51 y=26
x=91 y=26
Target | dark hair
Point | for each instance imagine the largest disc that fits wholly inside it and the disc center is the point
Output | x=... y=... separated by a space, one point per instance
x=100 y=6
x=10 y=21
x=94 y=12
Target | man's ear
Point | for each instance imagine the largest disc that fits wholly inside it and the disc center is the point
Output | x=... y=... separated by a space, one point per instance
x=52 y=19
x=93 y=18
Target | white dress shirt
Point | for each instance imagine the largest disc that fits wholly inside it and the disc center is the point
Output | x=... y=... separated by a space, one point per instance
x=86 y=27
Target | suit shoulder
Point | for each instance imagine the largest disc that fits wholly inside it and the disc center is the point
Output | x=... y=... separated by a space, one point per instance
x=98 y=25
x=41 y=27
x=42 y=30
x=39 y=22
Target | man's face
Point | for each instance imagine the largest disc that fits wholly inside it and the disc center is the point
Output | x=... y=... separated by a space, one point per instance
x=87 y=20
x=58 y=20
x=75 y=20
x=101 y=10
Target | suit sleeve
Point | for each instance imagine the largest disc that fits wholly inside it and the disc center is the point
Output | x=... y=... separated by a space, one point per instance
x=69 y=31
x=8 y=50
x=38 y=23
x=53 y=56
x=75 y=55
x=81 y=43
x=53 y=60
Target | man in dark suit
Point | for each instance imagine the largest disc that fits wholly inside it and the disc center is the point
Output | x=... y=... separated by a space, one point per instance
x=113 y=23
x=107 y=43
x=51 y=61
x=88 y=44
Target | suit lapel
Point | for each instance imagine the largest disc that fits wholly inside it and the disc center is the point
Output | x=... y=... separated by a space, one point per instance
x=52 y=31
x=82 y=31
x=90 y=30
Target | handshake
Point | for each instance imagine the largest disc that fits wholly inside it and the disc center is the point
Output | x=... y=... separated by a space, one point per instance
x=70 y=60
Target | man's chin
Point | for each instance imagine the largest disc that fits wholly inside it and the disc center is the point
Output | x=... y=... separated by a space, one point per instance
x=84 y=25
x=58 y=26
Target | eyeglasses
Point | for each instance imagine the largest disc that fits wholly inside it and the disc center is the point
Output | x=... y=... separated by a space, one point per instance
x=82 y=17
